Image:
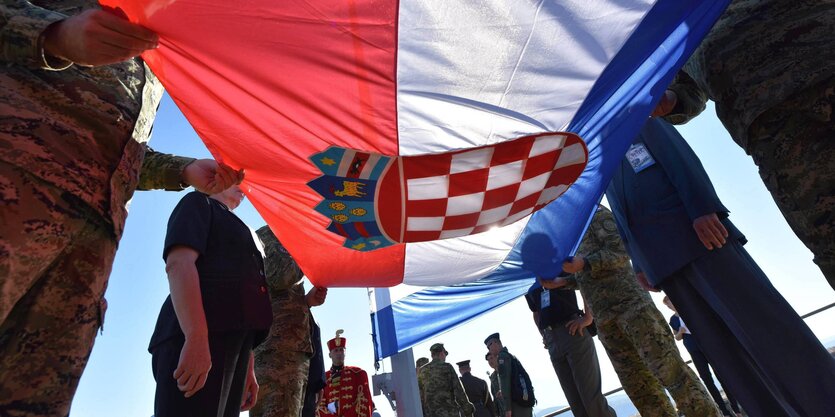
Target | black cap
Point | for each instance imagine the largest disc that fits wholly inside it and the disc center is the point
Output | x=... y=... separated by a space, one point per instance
x=491 y=337
x=438 y=347
x=464 y=363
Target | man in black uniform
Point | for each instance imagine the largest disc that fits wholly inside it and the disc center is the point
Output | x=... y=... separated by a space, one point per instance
x=572 y=355
x=477 y=391
x=217 y=312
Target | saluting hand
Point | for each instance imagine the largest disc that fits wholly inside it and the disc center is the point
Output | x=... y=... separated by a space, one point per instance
x=195 y=363
x=209 y=177
x=97 y=37
x=710 y=230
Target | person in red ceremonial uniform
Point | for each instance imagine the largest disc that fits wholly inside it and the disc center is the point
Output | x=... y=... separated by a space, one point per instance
x=346 y=393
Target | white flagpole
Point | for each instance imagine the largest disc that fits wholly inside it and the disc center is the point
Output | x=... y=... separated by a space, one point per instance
x=403 y=378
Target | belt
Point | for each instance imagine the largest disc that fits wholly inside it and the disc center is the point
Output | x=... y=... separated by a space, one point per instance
x=562 y=323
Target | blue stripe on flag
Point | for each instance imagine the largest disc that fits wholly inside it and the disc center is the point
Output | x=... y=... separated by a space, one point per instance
x=613 y=113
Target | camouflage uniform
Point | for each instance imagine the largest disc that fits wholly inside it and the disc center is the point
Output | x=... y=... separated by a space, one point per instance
x=71 y=146
x=768 y=65
x=498 y=403
x=505 y=362
x=283 y=360
x=633 y=331
x=441 y=391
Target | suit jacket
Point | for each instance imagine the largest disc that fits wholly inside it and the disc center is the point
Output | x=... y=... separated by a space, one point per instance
x=478 y=393
x=655 y=208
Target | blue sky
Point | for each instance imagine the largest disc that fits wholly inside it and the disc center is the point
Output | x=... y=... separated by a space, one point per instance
x=118 y=378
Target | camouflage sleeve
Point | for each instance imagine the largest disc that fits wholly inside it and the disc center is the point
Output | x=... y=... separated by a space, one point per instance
x=608 y=252
x=691 y=100
x=460 y=395
x=21 y=26
x=571 y=283
x=162 y=171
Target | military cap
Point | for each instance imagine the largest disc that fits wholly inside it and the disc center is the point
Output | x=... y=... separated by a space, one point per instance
x=464 y=363
x=491 y=337
x=438 y=347
x=337 y=341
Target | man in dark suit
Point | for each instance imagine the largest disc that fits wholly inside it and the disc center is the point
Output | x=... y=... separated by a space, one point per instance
x=681 y=240
x=477 y=391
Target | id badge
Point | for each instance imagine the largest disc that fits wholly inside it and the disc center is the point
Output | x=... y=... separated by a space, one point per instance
x=545 y=300
x=639 y=157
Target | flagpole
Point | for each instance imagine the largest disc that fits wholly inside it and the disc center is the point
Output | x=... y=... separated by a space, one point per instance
x=402 y=381
x=404 y=378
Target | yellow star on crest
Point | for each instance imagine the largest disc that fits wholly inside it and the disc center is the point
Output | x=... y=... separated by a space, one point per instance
x=327 y=161
x=358 y=246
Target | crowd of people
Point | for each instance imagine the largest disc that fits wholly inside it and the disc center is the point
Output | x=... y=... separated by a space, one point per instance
x=78 y=106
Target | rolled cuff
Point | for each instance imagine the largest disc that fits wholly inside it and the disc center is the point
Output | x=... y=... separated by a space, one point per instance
x=22 y=39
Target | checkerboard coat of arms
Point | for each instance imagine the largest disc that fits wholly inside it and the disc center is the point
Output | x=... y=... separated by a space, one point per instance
x=375 y=200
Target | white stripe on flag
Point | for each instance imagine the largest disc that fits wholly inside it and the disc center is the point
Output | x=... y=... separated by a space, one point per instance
x=466 y=85
x=369 y=166
x=345 y=163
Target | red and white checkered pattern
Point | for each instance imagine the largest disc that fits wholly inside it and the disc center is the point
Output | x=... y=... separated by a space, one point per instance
x=462 y=193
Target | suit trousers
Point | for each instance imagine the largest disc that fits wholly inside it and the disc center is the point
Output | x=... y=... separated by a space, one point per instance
x=703 y=368
x=756 y=342
x=223 y=393
x=575 y=361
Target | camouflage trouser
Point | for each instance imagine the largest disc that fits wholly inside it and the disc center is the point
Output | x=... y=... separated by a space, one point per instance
x=282 y=377
x=645 y=357
x=54 y=266
x=793 y=144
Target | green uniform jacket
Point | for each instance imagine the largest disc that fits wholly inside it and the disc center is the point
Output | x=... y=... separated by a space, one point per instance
x=495 y=387
x=608 y=283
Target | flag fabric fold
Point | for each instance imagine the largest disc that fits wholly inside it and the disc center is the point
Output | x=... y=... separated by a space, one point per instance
x=319 y=100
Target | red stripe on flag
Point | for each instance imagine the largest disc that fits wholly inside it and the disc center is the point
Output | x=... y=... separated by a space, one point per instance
x=347 y=49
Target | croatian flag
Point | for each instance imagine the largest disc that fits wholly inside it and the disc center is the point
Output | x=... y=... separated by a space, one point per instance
x=450 y=149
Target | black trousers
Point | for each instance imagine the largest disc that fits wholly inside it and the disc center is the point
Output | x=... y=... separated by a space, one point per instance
x=754 y=339
x=223 y=393
x=703 y=368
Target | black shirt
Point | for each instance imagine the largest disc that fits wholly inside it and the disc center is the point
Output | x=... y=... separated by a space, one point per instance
x=230 y=267
x=561 y=307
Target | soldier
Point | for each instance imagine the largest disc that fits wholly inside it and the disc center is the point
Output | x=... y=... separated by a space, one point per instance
x=441 y=392
x=419 y=364
x=477 y=391
x=514 y=384
x=498 y=401
x=346 y=393
x=72 y=140
x=769 y=67
x=282 y=362
x=632 y=330
x=572 y=354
